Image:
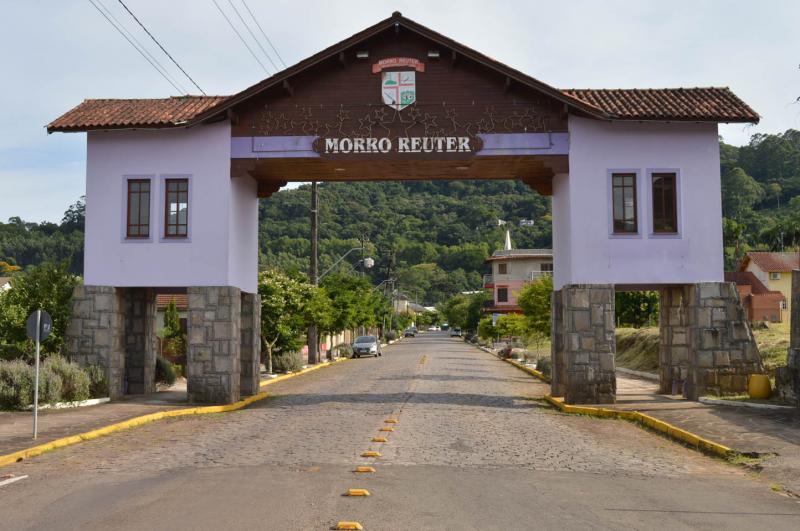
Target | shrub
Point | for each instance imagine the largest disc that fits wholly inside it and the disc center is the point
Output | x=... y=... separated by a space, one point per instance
x=164 y=372
x=98 y=383
x=75 y=382
x=545 y=366
x=391 y=335
x=179 y=370
x=16 y=385
x=286 y=362
x=343 y=350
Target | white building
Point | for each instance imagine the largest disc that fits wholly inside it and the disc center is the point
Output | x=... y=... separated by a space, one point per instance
x=172 y=188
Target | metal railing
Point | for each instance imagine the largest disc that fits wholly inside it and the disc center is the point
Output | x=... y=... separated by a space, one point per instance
x=530 y=276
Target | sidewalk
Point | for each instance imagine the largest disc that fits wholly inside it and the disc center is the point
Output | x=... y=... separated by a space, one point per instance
x=774 y=435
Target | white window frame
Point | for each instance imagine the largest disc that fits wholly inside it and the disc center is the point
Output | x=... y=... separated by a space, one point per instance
x=774 y=275
x=784 y=305
x=123 y=232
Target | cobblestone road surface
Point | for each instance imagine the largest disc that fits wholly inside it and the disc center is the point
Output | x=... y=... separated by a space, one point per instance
x=473 y=449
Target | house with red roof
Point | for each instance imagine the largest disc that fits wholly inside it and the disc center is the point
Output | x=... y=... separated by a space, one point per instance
x=774 y=270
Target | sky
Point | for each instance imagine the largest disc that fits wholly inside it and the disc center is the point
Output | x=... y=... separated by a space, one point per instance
x=55 y=53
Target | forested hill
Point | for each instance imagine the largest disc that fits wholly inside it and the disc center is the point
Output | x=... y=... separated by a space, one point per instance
x=434 y=236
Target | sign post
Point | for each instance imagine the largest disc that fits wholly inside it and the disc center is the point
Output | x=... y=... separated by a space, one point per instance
x=39 y=326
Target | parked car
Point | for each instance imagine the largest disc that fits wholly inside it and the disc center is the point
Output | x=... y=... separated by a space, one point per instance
x=445 y=326
x=455 y=332
x=366 y=346
x=433 y=328
x=410 y=332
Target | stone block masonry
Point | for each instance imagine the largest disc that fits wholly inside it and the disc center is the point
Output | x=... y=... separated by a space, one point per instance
x=251 y=343
x=787 y=379
x=140 y=340
x=584 y=344
x=214 y=353
x=95 y=335
x=706 y=342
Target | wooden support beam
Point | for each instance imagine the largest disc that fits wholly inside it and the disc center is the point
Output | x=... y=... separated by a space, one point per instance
x=232 y=116
x=267 y=188
x=453 y=58
x=508 y=84
x=343 y=59
x=288 y=88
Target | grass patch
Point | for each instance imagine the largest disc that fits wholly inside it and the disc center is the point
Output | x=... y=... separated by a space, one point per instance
x=637 y=349
x=773 y=343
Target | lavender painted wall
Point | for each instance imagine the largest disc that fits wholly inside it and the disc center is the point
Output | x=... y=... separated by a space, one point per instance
x=584 y=250
x=222 y=249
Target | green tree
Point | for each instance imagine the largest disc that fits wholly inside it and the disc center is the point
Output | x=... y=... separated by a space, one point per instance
x=172 y=321
x=47 y=287
x=535 y=301
x=739 y=193
x=636 y=308
x=512 y=325
x=486 y=329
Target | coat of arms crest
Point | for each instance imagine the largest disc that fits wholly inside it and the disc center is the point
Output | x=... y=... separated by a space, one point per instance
x=398 y=89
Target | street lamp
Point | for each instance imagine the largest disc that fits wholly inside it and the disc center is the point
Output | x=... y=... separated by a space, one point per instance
x=368 y=262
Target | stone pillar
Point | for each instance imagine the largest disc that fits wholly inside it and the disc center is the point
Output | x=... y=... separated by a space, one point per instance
x=251 y=343
x=583 y=351
x=95 y=335
x=723 y=352
x=140 y=340
x=787 y=379
x=673 y=354
x=213 y=357
x=558 y=377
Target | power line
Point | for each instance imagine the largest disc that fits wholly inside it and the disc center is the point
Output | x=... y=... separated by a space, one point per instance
x=253 y=35
x=263 y=33
x=162 y=48
x=240 y=37
x=142 y=51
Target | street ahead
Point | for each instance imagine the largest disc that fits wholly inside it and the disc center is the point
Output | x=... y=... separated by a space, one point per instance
x=471 y=450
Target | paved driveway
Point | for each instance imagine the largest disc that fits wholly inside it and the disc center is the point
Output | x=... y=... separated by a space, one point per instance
x=472 y=450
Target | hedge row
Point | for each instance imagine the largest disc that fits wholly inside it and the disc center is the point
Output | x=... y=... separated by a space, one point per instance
x=59 y=381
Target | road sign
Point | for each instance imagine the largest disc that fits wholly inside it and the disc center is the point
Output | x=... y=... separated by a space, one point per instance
x=45 y=326
x=39 y=326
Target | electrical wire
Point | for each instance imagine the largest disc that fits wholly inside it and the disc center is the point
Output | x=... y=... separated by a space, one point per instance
x=263 y=33
x=241 y=38
x=142 y=51
x=162 y=48
x=258 y=42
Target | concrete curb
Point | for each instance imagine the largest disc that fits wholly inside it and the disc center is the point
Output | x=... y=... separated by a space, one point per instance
x=673 y=432
x=737 y=403
x=518 y=365
x=639 y=374
x=27 y=453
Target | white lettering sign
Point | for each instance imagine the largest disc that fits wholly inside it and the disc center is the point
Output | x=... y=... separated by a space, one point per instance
x=413 y=144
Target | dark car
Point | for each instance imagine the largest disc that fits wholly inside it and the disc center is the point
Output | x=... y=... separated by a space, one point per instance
x=410 y=332
x=366 y=346
x=455 y=332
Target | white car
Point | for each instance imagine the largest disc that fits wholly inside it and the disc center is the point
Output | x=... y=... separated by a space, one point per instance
x=366 y=346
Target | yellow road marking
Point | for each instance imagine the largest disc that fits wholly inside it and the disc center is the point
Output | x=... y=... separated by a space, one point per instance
x=349 y=525
x=391 y=421
x=364 y=469
x=380 y=439
x=370 y=453
x=386 y=429
x=358 y=492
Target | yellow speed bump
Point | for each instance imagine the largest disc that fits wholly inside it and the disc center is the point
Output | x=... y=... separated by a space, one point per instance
x=357 y=492
x=371 y=453
x=349 y=525
x=364 y=469
x=386 y=429
x=391 y=421
x=380 y=439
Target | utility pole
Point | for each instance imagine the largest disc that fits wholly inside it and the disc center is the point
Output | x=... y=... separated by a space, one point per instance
x=313 y=341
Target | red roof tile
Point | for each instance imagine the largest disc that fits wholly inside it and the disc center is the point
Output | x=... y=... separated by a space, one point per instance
x=747 y=278
x=181 y=300
x=138 y=113
x=713 y=104
x=772 y=262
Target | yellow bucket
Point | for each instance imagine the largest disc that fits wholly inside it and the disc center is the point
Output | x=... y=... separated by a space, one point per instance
x=758 y=386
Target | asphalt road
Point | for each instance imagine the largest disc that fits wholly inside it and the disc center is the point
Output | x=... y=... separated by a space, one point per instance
x=472 y=450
